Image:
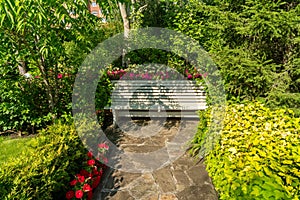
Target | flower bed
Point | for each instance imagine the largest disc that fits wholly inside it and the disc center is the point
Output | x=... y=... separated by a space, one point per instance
x=161 y=75
x=88 y=179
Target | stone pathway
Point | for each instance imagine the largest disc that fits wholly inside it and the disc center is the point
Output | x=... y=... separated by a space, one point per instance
x=181 y=179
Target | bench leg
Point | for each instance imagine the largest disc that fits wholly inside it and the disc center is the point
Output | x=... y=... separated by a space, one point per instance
x=115 y=118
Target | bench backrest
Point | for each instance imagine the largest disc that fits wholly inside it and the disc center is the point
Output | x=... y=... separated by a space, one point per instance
x=156 y=94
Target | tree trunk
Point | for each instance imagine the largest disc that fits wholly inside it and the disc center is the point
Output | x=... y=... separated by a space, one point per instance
x=126 y=24
x=22 y=68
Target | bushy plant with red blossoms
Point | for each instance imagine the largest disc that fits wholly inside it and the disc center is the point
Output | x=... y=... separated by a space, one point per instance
x=162 y=75
x=89 y=177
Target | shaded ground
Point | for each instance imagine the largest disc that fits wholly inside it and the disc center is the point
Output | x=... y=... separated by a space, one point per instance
x=182 y=179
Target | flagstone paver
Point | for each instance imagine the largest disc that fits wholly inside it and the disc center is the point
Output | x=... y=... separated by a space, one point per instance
x=183 y=179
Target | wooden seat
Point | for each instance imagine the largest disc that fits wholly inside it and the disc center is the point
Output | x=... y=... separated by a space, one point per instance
x=157 y=98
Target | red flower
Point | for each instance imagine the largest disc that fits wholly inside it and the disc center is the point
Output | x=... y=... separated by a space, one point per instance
x=95 y=171
x=91 y=162
x=90 y=195
x=103 y=146
x=78 y=194
x=87 y=188
x=90 y=154
x=80 y=178
x=96 y=181
x=59 y=76
x=190 y=76
x=73 y=182
x=198 y=75
x=85 y=173
x=37 y=77
x=70 y=194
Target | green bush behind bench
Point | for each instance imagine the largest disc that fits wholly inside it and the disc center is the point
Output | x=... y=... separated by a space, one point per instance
x=258 y=155
x=43 y=171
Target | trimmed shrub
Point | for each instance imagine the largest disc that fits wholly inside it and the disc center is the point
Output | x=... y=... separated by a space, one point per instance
x=258 y=155
x=44 y=171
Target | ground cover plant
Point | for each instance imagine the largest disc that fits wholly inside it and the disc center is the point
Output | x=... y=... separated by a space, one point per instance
x=10 y=148
x=258 y=155
x=44 y=170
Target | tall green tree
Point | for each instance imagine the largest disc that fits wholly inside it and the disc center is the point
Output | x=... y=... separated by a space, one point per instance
x=42 y=44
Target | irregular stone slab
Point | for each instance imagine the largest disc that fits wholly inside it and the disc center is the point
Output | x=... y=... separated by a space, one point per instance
x=143 y=187
x=199 y=175
x=181 y=177
x=204 y=192
x=165 y=180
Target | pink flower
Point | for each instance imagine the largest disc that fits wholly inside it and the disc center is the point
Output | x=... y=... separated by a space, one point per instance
x=103 y=146
x=198 y=75
x=105 y=160
x=37 y=77
x=190 y=76
x=59 y=76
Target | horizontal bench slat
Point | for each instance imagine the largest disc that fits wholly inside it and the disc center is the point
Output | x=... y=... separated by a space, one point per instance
x=171 y=98
x=120 y=82
x=184 y=114
x=159 y=85
x=169 y=108
x=157 y=92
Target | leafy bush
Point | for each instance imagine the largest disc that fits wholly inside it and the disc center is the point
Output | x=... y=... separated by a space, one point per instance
x=258 y=155
x=45 y=169
x=254 y=43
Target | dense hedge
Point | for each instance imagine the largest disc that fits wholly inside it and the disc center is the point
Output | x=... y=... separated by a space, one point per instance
x=44 y=171
x=258 y=155
x=254 y=43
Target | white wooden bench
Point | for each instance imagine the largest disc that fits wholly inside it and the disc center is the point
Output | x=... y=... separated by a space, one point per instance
x=157 y=98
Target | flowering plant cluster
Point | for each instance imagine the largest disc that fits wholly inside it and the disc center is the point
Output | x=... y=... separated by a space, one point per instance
x=88 y=179
x=162 y=75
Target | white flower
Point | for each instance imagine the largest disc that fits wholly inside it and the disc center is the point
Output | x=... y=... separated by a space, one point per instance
x=27 y=75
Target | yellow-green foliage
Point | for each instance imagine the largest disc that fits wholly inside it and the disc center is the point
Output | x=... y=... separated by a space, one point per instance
x=258 y=155
x=43 y=172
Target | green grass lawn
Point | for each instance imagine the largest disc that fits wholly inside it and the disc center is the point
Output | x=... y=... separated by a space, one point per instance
x=10 y=148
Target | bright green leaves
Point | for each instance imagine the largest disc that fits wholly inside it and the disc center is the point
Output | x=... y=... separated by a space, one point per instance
x=258 y=156
x=43 y=171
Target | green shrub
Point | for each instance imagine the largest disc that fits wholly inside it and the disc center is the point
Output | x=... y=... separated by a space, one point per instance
x=258 y=155
x=44 y=170
x=255 y=44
